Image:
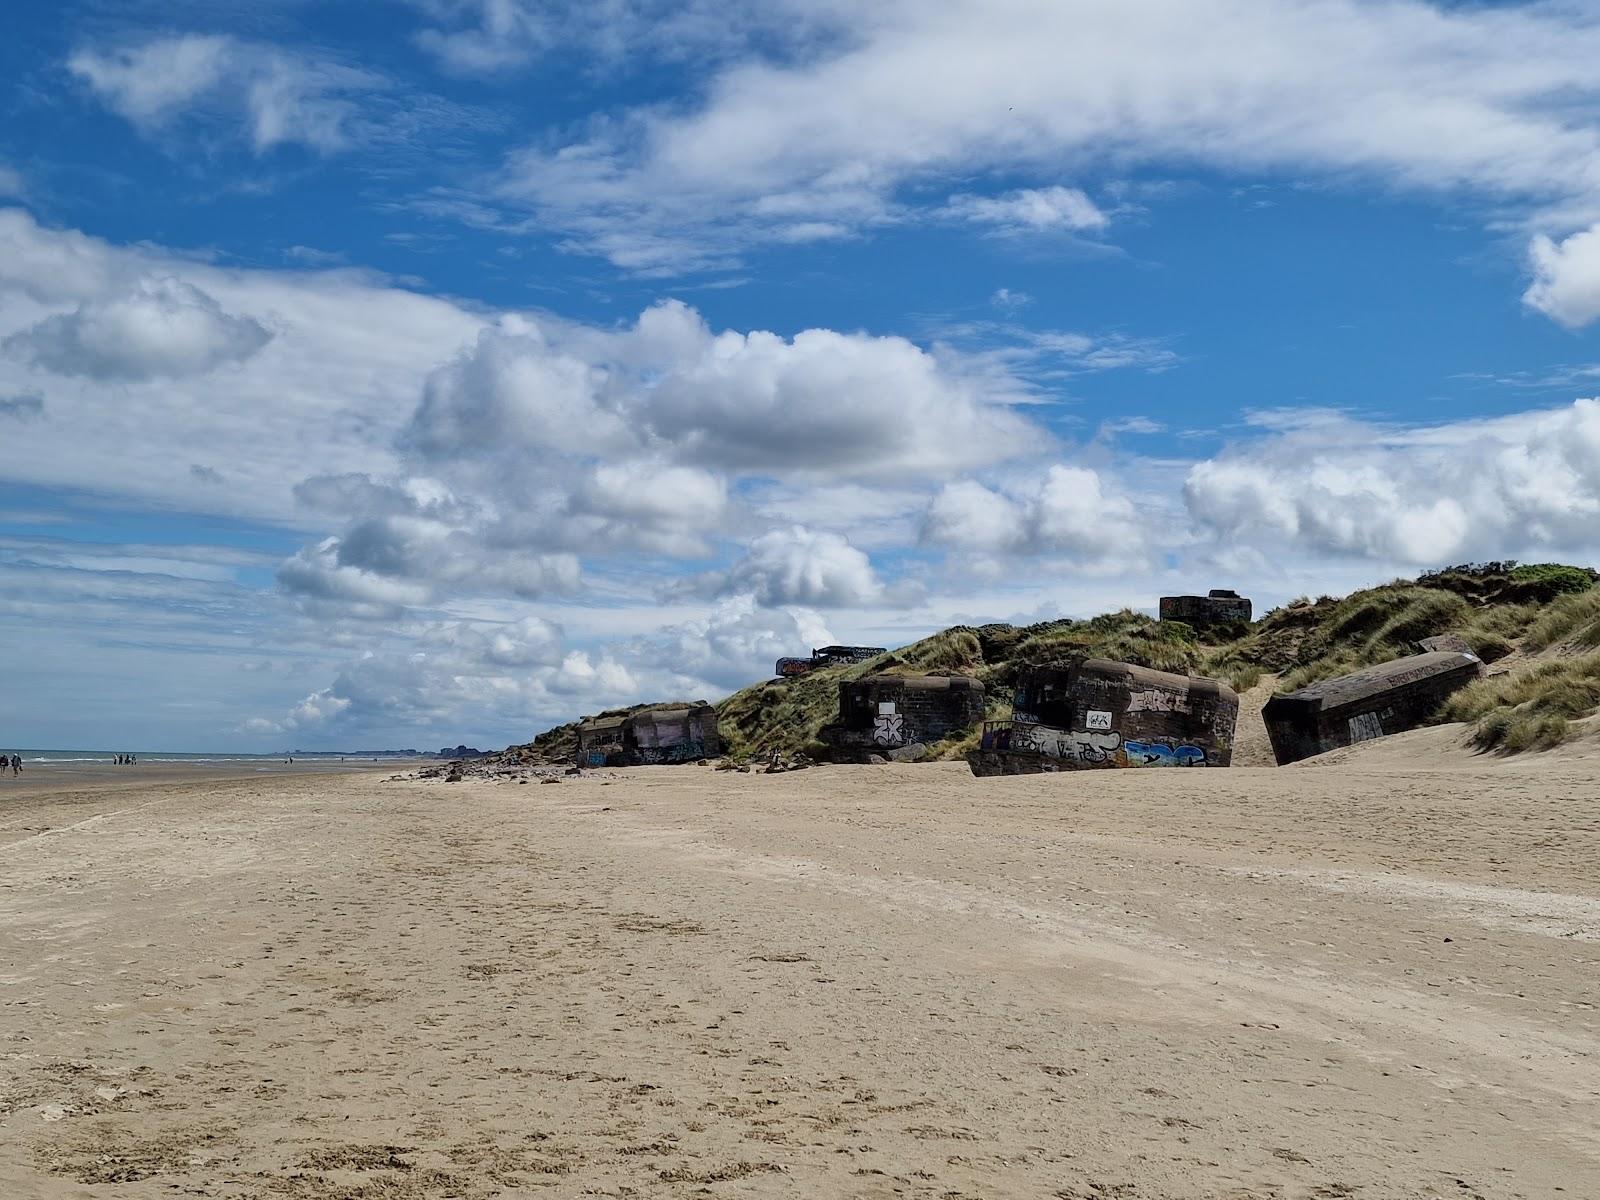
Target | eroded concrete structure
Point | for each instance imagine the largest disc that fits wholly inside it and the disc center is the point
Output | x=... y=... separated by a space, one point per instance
x=674 y=733
x=827 y=656
x=1099 y=713
x=1219 y=606
x=1389 y=698
x=879 y=714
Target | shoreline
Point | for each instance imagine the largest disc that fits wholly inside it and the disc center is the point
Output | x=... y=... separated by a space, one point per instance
x=46 y=796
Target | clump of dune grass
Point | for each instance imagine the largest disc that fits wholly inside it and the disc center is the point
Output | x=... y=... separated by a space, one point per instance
x=1244 y=677
x=1374 y=626
x=1506 y=731
x=1124 y=636
x=1572 y=618
x=1528 y=709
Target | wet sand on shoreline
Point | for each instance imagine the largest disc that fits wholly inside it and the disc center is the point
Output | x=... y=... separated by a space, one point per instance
x=48 y=796
x=1370 y=981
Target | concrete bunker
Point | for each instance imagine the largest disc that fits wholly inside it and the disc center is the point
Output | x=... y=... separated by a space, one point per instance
x=826 y=656
x=1098 y=713
x=666 y=733
x=883 y=713
x=1389 y=698
x=1219 y=606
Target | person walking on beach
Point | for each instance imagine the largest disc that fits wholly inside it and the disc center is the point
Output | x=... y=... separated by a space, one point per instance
x=16 y=764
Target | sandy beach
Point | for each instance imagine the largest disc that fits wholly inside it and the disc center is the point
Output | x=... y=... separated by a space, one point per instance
x=1377 y=980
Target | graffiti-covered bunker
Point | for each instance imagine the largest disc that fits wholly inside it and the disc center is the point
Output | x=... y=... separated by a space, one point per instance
x=1219 y=606
x=880 y=713
x=1389 y=698
x=827 y=656
x=667 y=733
x=1099 y=713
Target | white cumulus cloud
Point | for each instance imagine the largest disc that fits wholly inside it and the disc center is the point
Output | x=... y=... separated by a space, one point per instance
x=1566 y=277
x=1428 y=496
x=160 y=328
x=841 y=404
x=1071 y=511
x=797 y=566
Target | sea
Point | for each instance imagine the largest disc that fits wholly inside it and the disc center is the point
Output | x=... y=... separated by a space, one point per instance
x=108 y=757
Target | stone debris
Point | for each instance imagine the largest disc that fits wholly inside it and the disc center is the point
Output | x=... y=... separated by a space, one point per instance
x=494 y=768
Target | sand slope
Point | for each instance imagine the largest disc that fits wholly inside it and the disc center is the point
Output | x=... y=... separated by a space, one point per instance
x=875 y=982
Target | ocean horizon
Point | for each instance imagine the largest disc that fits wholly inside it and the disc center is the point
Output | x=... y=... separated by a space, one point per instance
x=47 y=756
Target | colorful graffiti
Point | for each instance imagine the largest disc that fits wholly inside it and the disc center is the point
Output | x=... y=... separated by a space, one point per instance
x=690 y=751
x=1158 y=754
x=1086 y=747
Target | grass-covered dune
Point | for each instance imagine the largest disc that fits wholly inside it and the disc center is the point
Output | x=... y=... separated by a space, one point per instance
x=1541 y=618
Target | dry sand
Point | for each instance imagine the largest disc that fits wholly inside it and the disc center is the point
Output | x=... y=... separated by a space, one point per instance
x=1373 y=981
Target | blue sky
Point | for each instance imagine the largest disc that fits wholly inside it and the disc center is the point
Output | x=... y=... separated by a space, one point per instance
x=379 y=374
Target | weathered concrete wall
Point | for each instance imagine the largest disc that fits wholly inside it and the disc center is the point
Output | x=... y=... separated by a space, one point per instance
x=1444 y=641
x=880 y=713
x=668 y=735
x=827 y=656
x=835 y=655
x=1220 y=607
x=1389 y=698
x=1100 y=713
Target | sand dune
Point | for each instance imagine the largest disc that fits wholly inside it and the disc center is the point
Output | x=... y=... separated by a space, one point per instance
x=883 y=981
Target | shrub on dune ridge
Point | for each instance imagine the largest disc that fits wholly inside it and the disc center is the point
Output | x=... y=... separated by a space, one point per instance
x=1554 y=578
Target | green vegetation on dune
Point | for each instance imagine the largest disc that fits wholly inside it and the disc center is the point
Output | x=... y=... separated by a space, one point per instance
x=1495 y=607
x=1375 y=626
x=786 y=716
x=1573 y=618
x=1531 y=708
x=1490 y=605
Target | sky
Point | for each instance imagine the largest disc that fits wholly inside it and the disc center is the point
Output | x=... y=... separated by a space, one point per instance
x=388 y=373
